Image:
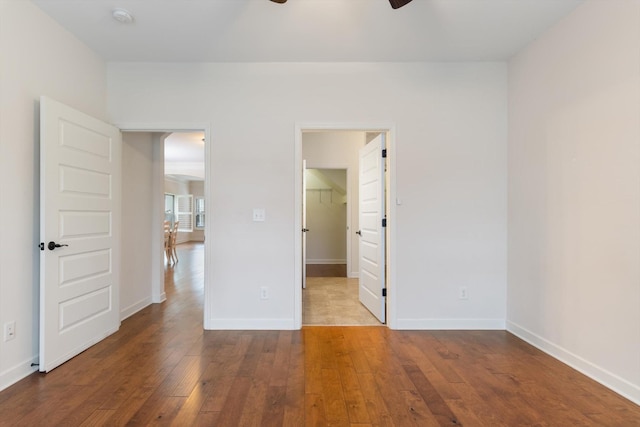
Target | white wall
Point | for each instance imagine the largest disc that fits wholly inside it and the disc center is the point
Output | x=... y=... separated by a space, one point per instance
x=138 y=248
x=574 y=193
x=37 y=57
x=451 y=175
x=339 y=149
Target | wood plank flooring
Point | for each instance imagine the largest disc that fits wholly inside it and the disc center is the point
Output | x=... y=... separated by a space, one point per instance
x=161 y=368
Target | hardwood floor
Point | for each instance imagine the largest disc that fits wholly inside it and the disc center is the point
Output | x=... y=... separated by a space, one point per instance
x=162 y=368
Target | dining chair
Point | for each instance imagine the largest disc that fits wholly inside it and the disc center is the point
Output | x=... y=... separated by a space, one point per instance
x=167 y=241
x=174 y=237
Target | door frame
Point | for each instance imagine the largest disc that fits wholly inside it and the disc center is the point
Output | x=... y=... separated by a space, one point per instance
x=392 y=286
x=157 y=261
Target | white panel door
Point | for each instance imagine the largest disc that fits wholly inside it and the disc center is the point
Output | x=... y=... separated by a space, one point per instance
x=80 y=169
x=372 y=235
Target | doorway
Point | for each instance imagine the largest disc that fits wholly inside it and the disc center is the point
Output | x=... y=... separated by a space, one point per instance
x=327 y=200
x=184 y=206
x=329 y=296
x=157 y=189
x=336 y=148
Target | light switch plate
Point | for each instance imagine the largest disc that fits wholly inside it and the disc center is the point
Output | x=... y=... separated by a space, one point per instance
x=259 y=215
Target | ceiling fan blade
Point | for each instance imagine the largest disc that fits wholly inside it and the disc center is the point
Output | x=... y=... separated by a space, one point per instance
x=395 y=4
x=398 y=3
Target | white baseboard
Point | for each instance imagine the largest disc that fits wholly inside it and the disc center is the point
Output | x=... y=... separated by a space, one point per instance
x=326 y=261
x=250 y=324
x=353 y=275
x=161 y=298
x=134 y=308
x=17 y=372
x=608 y=379
x=450 y=324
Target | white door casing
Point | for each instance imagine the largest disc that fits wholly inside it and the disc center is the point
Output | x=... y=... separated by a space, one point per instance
x=389 y=129
x=371 y=208
x=80 y=192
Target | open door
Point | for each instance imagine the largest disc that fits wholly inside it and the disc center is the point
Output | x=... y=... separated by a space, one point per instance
x=304 y=224
x=80 y=170
x=372 y=291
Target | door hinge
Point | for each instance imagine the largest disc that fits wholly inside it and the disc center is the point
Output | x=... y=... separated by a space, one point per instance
x=384 y=153
x=41 y=246
x=384 y=292
x=384 y=222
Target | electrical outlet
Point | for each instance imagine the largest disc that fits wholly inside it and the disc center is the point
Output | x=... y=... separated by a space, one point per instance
x=9 y=330
x=463 y=293
x=264 y=292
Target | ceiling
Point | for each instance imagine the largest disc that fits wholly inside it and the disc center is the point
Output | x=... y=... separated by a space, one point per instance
x=184 y=156
x=307 y=30
x=184 y=147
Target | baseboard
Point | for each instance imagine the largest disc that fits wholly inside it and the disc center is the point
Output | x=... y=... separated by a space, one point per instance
x=17 y=372
x=326 y=261
x=160 y=299
x=134 y=308
x=604 y=377
x=450 y=324
x=353 y=275
x=250 y=324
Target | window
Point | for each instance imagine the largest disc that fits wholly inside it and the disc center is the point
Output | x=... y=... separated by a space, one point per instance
x=184 y=212
x=169 y=206
x=199 y=212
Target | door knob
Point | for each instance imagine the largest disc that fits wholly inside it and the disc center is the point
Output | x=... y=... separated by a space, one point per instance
x=359 y=233
x=53 y=245
x=304 y=230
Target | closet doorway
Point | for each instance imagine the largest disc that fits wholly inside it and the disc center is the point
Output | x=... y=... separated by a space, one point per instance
x=332 y=288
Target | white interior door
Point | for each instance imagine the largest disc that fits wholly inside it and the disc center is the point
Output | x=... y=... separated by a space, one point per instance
x=304 y=224
x=80 y=169
x=372 y=233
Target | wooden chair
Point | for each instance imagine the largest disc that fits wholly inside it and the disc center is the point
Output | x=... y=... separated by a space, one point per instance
x=167 y=241
x=174 y=237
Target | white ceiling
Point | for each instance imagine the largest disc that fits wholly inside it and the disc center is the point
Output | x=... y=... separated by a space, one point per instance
x=184 y=147
x=184 y=156
x=308 y=30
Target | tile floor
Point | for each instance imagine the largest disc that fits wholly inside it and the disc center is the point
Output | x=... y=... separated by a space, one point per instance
x=334 y=301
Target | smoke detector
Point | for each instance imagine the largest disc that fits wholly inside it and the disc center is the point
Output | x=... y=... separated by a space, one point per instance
x=122 y=15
